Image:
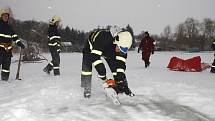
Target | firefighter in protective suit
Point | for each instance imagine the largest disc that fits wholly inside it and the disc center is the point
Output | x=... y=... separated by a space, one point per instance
x=213 y=64
x=54 y=43
x=113 y=46
x=7 y=37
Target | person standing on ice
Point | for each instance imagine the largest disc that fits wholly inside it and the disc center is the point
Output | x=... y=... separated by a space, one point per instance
x=111 y=44
x=7 y=36
x=213 y=64
x=147 y=46
x=54 y=43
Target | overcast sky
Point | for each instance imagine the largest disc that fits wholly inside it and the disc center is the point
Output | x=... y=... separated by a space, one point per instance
x=151 y=15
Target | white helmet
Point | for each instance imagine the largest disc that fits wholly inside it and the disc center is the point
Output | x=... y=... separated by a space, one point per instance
x=123 y=40
x=55 y=19
x=4 y=11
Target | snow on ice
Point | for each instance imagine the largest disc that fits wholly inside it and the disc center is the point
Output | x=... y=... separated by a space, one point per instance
x=161 y=94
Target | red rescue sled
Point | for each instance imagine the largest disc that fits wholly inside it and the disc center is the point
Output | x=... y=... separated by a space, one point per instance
x=189 y=65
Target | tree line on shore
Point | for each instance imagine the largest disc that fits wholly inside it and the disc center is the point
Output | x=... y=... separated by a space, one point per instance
x=189 y=34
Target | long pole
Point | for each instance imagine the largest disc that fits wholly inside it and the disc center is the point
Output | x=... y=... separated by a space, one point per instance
x=19 y=64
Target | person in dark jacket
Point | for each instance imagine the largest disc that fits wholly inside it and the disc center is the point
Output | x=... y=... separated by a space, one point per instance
x=147 y=47
x=7 y=37
x=112 y=45
x=213 y=64
x=54 y=43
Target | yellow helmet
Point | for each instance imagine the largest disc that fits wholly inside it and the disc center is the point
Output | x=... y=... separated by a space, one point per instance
x=123 y=40
x=55 y=19
x=4 y=11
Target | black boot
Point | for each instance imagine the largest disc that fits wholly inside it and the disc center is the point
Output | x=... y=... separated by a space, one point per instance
x=48 y=68
x=56 y=72
x=4 y=76
x=213 y=67
x=146 y=65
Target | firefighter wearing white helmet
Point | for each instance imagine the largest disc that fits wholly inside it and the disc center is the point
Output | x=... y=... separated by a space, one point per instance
x=7 y=37
x=123 y=41
x=113 y=47
x=54 y=43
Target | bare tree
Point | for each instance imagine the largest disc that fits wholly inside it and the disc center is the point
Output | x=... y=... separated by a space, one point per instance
x=192 y=31
x=191 y=27
x=166 y=37
x=207 y=32
x=180 y=37
x=208 y=28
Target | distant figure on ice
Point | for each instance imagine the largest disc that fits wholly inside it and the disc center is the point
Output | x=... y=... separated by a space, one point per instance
x=54 y=43
x=147 y=46
x=7 y=36
x=113 y=46
x=213 y=64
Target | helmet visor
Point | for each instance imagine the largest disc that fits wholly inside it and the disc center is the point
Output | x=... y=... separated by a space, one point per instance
x=123 y=49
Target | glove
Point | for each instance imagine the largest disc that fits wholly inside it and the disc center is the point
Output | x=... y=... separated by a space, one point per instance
x=109 y=83
x=128 y=92
x=21 y=45
x=122 y=87
x=58 y=48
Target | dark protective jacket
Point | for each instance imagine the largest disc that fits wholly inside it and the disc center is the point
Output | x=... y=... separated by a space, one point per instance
x=100 y=44
x=213 y=64
x=7 y=37
x=147 y=46
x=54 y=41
x=213 y=45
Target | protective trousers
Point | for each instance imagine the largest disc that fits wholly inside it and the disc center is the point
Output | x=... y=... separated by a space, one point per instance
x=145 y=58
x=55 y=61
x=86 y=74
x=5 y=61
x=213 y=66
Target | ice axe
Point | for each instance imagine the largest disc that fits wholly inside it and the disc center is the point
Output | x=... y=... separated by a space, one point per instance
x=19 y=64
